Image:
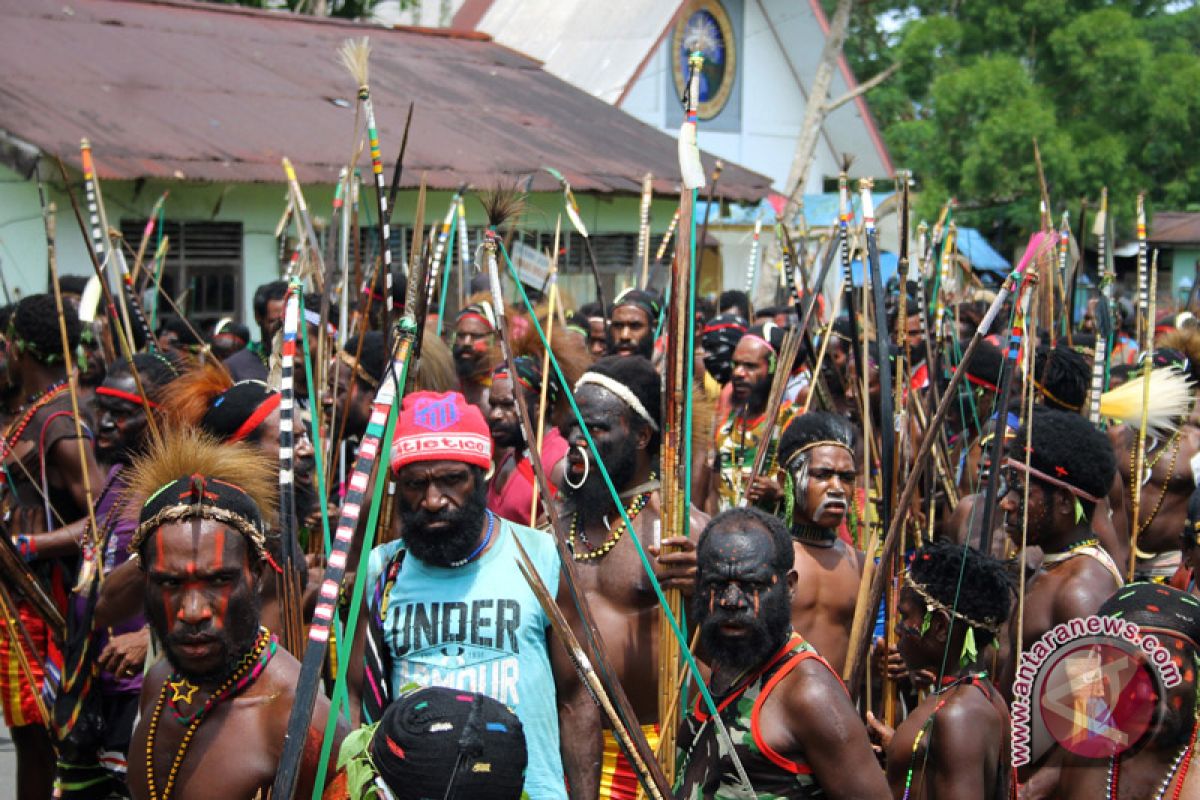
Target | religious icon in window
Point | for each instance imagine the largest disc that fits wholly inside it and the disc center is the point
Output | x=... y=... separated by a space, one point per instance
x=705 y=26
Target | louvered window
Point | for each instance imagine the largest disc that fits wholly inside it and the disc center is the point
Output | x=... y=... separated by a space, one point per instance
x=202 y=272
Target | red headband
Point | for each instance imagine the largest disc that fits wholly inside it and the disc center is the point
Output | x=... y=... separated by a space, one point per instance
x=480 y=317
x=127 y=396
x=254 y=420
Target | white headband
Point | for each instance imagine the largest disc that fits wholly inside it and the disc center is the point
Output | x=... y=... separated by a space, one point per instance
x=620 y=390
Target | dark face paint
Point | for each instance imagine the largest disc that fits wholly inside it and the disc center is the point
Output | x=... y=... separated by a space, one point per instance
x=120 y=424
x=442 y=509
x=608 y=420
x=202 y=597
x=741 y=602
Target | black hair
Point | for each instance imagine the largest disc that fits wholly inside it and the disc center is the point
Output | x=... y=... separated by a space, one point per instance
x=268 y=292
x=589 y=310
x=1068 y=448
x=1155 y=605
x=233 y=408
x=985 y=365
x=156 y=370
x=962 y=578
x=737 y=299
x=815 y=426
x=35 y=323
x=234 y=329
x=187 y=336
x=312 y=302
x=73 y=284
x=639 y=376
x=371 y=359
x=746 y=519
x=1062 y=375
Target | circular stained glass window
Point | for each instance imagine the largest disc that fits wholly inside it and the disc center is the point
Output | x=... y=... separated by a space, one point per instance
x=705 y=26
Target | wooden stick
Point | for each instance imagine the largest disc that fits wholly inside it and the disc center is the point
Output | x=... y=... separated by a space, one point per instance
x=1140 y=451
x=543 y=412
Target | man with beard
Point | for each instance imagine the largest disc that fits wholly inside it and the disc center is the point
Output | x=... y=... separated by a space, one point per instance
x=739 y=435
x=956 y=742
x=718 y=338
x=214 y=711
x=475 y=352
x=1163 y=764
x=794 y=728
x=92 y=752
x=620 y=402
x=817 y=451
x=510 y=491
x=40 y=457
x=447 y=604
x=634 y=323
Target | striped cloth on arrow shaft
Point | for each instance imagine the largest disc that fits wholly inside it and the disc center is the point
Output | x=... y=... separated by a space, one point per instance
x=101 y=245
x=327 y=598
x=440 y=247
x=287 y=424
x=385 y=225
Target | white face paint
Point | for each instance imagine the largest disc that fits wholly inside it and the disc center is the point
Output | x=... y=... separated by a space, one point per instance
x=1195 y=464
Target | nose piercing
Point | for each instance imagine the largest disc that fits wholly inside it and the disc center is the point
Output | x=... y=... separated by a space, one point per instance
x=587 y=468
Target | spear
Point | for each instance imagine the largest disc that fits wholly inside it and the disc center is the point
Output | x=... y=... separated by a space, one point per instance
x=443 y=238
x=887 y=426
x=293 y=622
x=499 y=209
x=103 y=244
x=572 y=208
x=1103 y=311
x=126 y=350
x=752 y=262
x=355 y=57
x=643 y=242
x=1140 y=450
x=860 y=638
x=544 y=412
x=1039 y=246
x=1143 y=276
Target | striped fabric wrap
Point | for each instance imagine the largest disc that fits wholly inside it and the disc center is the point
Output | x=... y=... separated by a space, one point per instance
x=335 y=571
x=287 y=417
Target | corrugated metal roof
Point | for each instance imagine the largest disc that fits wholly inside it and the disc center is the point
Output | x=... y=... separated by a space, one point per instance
x=214 y=93
x=1175 y=227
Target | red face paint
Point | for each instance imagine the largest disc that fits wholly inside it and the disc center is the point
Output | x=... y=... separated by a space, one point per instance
x=480 y=346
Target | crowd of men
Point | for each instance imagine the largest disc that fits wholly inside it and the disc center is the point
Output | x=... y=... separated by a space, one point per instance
x=144 y=596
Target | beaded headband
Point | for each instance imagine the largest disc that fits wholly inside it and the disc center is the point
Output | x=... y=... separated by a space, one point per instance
x=932 y=603
x=1037 y=473
x=621 y=391
x=203 y=493
x=794 y=457
x=1050 y=395
x=359 y=371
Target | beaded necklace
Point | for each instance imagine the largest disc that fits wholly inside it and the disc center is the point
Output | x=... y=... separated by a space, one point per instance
x=491 y=518
x=1174 y=444
x=248 y=670
x=581 y=548
x=1179 y=765
x=944 y=692
x=36 y=403
x=1050 y=559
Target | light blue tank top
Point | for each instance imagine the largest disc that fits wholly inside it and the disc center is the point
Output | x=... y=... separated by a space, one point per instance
x=479 y=628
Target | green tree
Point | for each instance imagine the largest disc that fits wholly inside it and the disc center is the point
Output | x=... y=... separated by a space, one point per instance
x=1107 y=87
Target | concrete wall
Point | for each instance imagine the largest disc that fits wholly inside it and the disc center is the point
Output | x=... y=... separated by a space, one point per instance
x=258 y=207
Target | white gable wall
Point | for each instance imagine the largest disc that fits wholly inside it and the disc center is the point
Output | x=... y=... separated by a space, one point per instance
x=773 y=102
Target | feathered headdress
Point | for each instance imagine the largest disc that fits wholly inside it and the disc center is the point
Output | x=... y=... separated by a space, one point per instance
x=1170 y=401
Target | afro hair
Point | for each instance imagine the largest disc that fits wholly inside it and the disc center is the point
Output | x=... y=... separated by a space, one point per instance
x=815 y=426
x=1158 y=607
x=962 y=578
x=1069 y=448
x=1187 y=341
x=1062 y=376
x=35 y=323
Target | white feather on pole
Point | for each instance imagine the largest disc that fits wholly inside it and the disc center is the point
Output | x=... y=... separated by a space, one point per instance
x=1170 y=401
